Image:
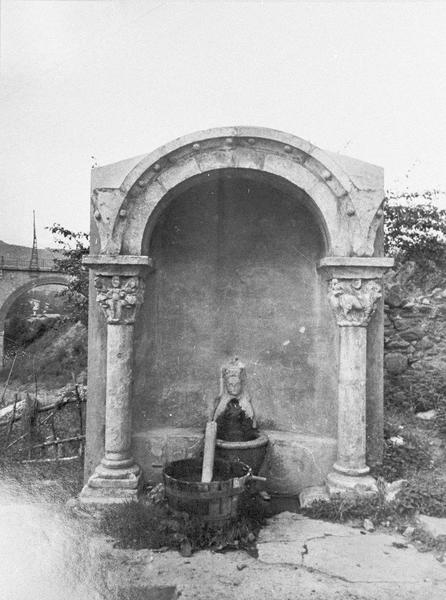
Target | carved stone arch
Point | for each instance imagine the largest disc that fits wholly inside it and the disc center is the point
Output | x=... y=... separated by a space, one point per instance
x=336 y=197
x=376 y=224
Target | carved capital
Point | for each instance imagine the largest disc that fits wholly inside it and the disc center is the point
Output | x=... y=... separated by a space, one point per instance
x=354 y=300
x=119 y=297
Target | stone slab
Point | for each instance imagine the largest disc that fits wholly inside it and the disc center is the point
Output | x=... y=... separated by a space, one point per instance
x=295 y=461
x=341 y=551
x=373 y=558
x=432 y=525
x=292 y=527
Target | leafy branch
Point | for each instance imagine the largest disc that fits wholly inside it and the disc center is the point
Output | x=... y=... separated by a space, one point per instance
x=71 y=247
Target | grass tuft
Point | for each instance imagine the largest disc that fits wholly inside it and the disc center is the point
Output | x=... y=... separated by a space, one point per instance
x=147 y=525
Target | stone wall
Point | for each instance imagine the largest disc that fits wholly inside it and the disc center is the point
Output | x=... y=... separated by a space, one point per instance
x=236 y=275
x=414 y=329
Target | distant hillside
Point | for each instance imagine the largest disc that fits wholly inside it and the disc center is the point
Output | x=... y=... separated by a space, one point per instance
x=13 y=253
x=58 y=352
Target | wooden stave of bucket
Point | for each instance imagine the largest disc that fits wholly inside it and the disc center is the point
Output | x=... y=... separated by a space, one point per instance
x=216 y=502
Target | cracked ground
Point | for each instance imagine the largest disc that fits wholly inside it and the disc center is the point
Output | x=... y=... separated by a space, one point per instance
x=298 y=558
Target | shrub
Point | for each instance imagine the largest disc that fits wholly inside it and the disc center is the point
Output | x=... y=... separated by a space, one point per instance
x=72 y=246
x=417 y=496
x=427 y=497
x=416 y=394
x=401 y=461
x=348 y=507
x=146 y=525
x=415 y=228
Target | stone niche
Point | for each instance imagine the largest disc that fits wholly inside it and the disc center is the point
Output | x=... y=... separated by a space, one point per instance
x=235 y=241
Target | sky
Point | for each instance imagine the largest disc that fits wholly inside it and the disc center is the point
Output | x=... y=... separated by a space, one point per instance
x=113 y=79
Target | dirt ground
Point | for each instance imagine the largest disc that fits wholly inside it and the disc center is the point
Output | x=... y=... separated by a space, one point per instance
x=299 y=558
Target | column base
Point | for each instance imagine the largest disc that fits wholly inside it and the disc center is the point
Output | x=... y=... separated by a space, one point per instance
x=112 y=486
x=356 y=472
x=339 y=483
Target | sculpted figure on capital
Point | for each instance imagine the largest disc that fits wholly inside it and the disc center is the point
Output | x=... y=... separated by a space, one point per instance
x=119 y=297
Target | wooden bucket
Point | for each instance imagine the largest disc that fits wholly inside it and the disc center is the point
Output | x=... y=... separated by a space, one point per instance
x=216 y=502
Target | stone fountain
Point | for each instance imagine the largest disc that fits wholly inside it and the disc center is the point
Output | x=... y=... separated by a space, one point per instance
x=237 y=435
x=236 y=240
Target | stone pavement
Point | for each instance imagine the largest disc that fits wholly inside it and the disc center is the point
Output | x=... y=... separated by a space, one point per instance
x=344 y=552
x=299 y=558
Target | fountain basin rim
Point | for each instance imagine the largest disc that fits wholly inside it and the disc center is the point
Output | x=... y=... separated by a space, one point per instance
x=261 y=440
x=195 y=465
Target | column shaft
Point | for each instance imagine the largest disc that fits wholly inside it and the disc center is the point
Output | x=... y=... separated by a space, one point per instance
x=352 y=401
x=118 y=408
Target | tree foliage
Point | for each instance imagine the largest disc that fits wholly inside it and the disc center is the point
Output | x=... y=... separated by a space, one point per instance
x=71 y=247
x=415 y=229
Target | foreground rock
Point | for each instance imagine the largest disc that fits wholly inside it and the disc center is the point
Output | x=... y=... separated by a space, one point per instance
x=427 y=415
x=434 y=526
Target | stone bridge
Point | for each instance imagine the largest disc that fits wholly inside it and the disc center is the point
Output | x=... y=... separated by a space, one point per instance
x=16 y=279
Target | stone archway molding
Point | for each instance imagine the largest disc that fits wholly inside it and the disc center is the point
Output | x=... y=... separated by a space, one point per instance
x=346 y=194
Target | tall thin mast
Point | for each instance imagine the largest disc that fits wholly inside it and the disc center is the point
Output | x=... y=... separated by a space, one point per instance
x=34 y=262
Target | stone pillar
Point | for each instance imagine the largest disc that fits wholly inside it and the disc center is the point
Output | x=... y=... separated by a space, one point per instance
x=351 y=401
x=120 y=291
x=355 y=285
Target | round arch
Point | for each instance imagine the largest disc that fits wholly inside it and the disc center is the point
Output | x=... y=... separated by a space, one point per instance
x=56 y=279
x=142 y=192
x=272 y=181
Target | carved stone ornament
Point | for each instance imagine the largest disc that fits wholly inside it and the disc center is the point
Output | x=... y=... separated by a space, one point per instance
x=353 y=300
x=233 y=385
x=119 y=297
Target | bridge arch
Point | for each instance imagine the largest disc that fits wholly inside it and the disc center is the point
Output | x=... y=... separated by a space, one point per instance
x=12 y=293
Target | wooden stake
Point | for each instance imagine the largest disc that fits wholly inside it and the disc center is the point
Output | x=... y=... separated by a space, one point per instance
x=81 y=427
x=210 y=437
x=49 y=460
x=9 y=377
x=75 y=438
x=11 y=422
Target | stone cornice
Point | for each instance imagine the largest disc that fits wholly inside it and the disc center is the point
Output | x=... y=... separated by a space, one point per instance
x=120 y=264
x=355 y=267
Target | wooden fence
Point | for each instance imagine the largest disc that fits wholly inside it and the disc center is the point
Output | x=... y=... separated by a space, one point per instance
x=34 y=432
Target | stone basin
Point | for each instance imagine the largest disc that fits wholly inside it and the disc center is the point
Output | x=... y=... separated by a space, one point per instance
x=294 y=461
x=251 y=452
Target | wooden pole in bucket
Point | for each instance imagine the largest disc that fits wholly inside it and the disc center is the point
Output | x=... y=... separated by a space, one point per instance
x=210 y=437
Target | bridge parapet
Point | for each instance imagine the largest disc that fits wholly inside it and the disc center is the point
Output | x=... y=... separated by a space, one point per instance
x=19 y=264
